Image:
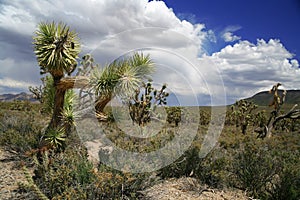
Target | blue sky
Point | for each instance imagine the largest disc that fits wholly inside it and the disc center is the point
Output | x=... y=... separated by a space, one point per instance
x=213 y=52
x=263 y=19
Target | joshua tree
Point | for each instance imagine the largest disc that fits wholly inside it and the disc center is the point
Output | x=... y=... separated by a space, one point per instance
x=241 y=114
x=56 y=48
x=143 y=104
x=277 y=102
x=122 y=77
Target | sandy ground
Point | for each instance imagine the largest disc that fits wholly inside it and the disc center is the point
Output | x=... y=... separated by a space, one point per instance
x=10 y=175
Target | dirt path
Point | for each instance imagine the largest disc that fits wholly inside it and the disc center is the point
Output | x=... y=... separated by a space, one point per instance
x=10 y=175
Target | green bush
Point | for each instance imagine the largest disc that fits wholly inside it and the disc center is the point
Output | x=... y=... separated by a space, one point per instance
x=254 y=169
x=69 y=175
x=19 y=131
x=183 y=166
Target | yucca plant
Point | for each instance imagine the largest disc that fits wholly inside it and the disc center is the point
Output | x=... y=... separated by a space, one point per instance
x=56 y=48
x=122 y=77
x=56 y=137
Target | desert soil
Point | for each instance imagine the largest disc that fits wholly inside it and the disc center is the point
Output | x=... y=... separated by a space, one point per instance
x=10 y=175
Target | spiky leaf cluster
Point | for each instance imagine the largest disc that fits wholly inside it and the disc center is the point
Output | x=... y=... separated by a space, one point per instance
x=56 y=138
x=123 y=76
x=56 y=48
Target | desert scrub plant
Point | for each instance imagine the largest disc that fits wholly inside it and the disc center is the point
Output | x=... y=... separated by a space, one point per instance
x=287 y=186
x=69 y=175
x=183 y=166
x=254 y=168
x=214 y=169
x=58 y=174
x=20 y=105
x=32 y=186
x=20 y=130
x=113 y=184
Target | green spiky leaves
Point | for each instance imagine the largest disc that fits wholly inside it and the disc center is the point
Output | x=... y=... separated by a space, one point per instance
x=122 y=77
x=56 y=137
x=56 y=48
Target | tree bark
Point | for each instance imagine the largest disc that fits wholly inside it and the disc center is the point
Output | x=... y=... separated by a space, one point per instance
x=267 y=130
x=62 y=84
x=101 y=102
x=59 y=98
x=73 y=82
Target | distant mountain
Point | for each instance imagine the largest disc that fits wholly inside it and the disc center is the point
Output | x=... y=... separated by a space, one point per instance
x=21 y=97
x=265 y=98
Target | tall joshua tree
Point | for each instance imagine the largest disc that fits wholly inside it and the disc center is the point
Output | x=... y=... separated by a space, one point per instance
x=56 y=48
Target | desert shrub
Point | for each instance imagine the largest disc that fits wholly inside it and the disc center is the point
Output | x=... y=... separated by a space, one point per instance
x=114 y=184
x=254 y=169
x=19 y=131
x=183 y=166
x=57 y=173
x=213 y=170
x=70 y=175
x=20 y=105
x=287 y=186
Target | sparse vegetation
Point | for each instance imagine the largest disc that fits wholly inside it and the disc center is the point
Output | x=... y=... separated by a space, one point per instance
x=267 y=169
x=60 y=164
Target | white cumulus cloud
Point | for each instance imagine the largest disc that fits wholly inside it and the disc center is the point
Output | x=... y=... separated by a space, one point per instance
x=112 y=28
x=228 y=35
x=248 y=68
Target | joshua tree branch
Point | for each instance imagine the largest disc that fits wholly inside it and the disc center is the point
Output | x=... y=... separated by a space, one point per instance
x=73 y=82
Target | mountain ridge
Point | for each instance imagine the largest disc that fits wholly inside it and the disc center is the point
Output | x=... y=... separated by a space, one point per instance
x=264 y=98
x=23 y=96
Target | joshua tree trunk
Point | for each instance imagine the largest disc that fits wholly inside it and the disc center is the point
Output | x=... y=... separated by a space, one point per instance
x=101 y=102
x=274 y=118
x=58 y=104
x=78 y=82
